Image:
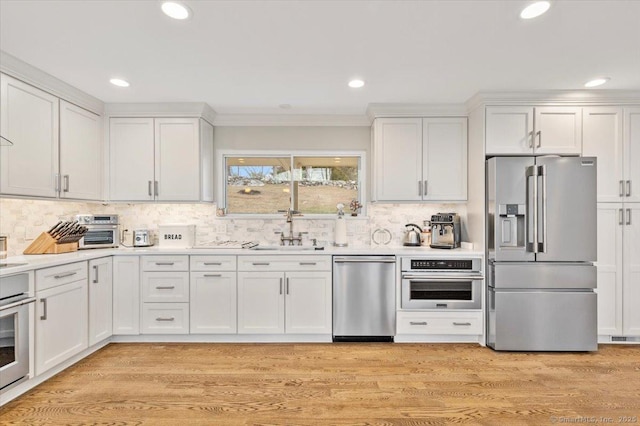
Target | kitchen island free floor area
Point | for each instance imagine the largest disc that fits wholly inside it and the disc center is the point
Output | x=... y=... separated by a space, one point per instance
x=343 y=384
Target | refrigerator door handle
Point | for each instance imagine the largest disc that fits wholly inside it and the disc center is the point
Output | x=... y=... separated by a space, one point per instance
x=532 y=210
x=542 y=246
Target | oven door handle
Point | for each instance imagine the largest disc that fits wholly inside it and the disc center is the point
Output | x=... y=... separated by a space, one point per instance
x=429 y=278
x=18 y=303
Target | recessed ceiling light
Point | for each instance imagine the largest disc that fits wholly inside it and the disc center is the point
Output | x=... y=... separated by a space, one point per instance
x=176 y=10
x=356 y=84
x=119 y=82
x=535 y=9
x=597 y=82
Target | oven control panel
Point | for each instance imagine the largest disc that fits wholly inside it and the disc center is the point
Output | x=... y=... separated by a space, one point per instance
x=441 y=264
x=89 y=219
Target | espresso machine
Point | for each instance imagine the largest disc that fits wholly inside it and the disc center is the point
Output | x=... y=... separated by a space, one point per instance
x=445 y=230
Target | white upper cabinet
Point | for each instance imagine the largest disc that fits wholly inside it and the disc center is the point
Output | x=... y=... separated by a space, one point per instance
x=632 y=154
x=418 y=159
x=80 y=153
x=29 y=119
x=528 y=130
x=161 y=159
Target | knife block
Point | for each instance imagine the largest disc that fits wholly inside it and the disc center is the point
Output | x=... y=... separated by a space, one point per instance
x=46 y=244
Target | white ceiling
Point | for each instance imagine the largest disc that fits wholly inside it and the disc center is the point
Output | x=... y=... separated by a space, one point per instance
x=252 y=56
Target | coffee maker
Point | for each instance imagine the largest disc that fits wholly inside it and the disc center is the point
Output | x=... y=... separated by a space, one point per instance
x=445 y=230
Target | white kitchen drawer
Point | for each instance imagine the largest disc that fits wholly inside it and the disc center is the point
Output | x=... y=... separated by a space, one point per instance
x=455 y=322
x=165 y=263
x=165 y=318
x=165 y=286
x=284 y=263
x=213 y=263
x=59 y=275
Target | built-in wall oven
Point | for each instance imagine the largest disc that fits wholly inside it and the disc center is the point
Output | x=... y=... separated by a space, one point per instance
x=102 y=231
x=14 y=329
x=441 y=283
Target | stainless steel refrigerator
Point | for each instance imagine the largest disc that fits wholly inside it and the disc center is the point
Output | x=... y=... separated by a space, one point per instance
x=541 y=245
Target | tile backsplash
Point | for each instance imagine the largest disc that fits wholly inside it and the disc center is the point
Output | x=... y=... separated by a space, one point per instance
x=23 y=220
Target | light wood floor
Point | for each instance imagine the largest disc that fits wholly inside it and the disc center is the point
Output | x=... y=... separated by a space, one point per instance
x=342 y=384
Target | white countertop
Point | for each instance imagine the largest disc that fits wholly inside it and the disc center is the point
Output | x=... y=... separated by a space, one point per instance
x=37 y=261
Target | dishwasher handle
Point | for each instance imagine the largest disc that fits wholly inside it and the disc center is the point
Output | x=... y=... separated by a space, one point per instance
x=364 y=259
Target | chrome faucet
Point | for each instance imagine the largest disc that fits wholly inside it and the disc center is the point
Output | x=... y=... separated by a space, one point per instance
x=289 y=213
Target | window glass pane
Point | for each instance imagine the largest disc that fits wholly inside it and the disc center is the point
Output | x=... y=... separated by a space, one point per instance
x=323 y=182
x=258 y=184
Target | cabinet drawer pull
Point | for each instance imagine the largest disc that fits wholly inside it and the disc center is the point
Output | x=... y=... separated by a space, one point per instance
x=462 y=323
x=165 y=287
x=165 y=263
x=308 y=263
x=212 y=275
x=418 y=323
x=97 y=278
x=260 y=263
x=165 y=319
x=57 y=277
x=212 y=263
x=44 y=309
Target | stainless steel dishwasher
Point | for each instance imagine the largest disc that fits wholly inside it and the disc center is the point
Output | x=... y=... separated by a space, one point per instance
x=364 y=298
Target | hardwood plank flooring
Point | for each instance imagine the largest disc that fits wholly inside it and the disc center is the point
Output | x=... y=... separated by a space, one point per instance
x=337 y=384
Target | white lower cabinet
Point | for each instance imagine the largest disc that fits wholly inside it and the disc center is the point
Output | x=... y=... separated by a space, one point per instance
x=213 y=303
x=61 y=314
x=289 y=302
x=126 y=295
x=100 y=299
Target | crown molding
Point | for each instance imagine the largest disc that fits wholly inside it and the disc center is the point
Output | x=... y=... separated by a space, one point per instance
x=29 y=74
x=292 y=120
x=379 y=110
x=161 y=109
x=555 y=97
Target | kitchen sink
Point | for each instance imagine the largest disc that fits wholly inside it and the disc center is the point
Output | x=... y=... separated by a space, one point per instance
x=286 y=248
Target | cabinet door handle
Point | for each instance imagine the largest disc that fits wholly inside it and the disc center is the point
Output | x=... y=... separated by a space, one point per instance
x=212 y=263
x=65 y=188
x=212 y=275
x=280 y=285
x=287 y=285
x=628 y=216
x=56 y=182
x=628 y=188
x=621 y=221
x=165 y=319
x=57 y=277
x=150 y=194
x=621 y=188
x=462 y=323
x=165 y=287
x=44 y=309
x=420 y=188
x=96 y=277
x=308 y=263
x=539 y=134
x=165 y=263
x=417 y=323
x=426 y=190
x=155 y=187
x=530 y=139
x=260 y=263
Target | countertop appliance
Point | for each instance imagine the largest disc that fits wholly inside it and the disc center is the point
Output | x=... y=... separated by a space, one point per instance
x=102 y=231
x=14 y=329
x=412 y=235
x=142 y=238
x=441 y=283
x=364 y=302
x=445 y=230
x=541 y=215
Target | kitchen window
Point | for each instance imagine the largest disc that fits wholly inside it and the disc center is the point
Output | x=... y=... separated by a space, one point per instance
x=308 y=183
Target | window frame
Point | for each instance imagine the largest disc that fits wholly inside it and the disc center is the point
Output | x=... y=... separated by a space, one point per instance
x=221 y=178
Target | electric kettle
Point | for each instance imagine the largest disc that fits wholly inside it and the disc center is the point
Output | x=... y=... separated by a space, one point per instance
x=412 y=235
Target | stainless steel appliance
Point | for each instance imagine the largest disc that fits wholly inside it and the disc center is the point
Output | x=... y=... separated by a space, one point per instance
x=541 y=245
x=14 y=329
x=445 y=230
x=364 y=302
x=141 y=238
x=412 y=235
x=441 y=283
x=102 y=231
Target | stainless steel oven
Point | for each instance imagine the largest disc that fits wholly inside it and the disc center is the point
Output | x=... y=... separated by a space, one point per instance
x=441 y=283
x=14 y=329
x=102 y=231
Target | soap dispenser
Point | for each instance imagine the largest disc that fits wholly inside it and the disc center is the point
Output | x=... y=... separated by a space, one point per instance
x=341 y=228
